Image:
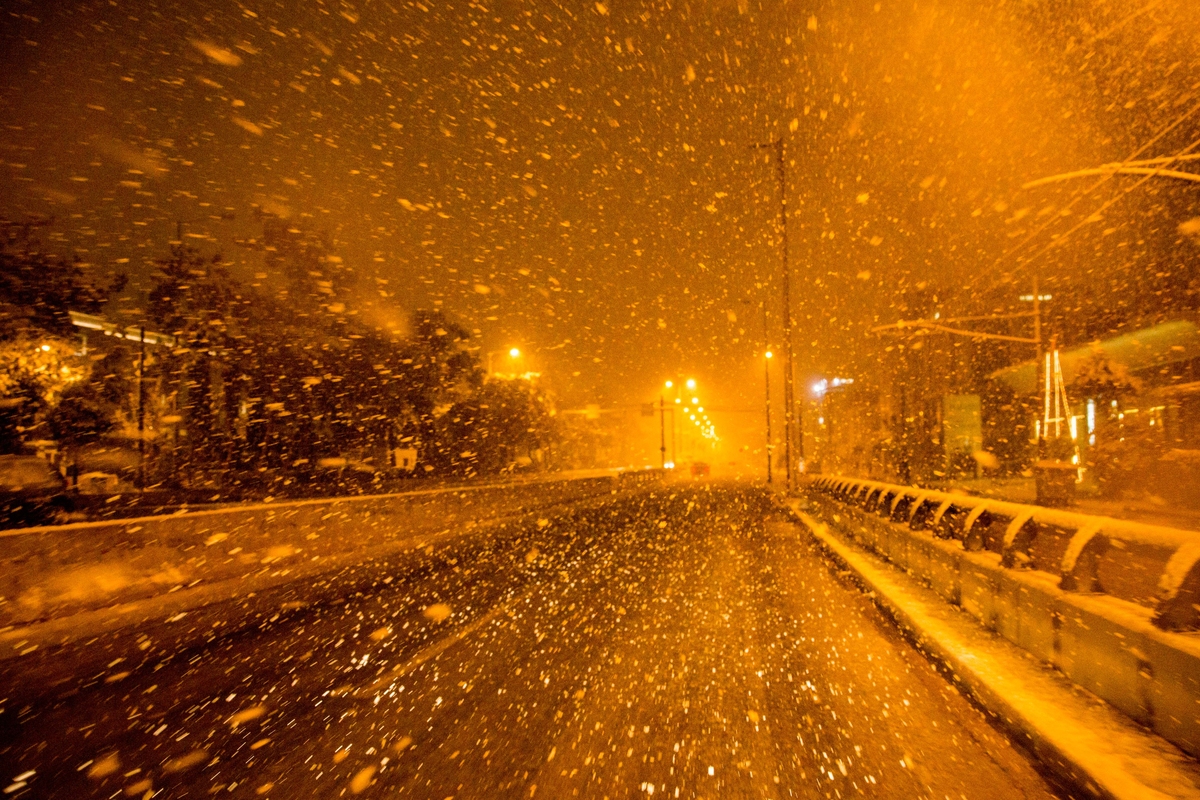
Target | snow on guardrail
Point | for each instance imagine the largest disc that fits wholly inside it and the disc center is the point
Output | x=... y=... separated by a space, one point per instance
x=1151 y=565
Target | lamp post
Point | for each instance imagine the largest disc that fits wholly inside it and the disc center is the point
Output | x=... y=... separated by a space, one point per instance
x=690 y=385
x=674 y=433
x=662 y=424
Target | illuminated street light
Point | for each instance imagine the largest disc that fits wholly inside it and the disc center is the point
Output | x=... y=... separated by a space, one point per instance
x=822 y=386
x=670 y=384
x=769 y=354
x=695 y=400
x=691 y=383
x=513 y=353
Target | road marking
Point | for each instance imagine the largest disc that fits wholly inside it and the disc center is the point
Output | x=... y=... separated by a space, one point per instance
x=436 y=649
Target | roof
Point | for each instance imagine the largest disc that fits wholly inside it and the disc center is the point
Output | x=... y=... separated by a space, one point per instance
x=1158 y=346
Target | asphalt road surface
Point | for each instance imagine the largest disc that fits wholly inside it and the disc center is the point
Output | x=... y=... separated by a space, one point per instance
x=678 y=641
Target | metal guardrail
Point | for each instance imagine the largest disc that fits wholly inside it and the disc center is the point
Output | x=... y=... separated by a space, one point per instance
x=1151 y=565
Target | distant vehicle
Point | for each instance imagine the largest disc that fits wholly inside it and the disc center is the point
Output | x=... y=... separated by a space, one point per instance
x=699 y=468
x=32 y=492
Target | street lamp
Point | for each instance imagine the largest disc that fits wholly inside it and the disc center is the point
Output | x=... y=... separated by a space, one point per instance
x=662 y=431
x=690 y=383
x=662 y=426
x=513 y=353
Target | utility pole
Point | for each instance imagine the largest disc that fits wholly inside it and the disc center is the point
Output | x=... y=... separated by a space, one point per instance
x=1037 y=339
x=662 y=432
x=767 y=382
x=789 y=374
x=767 y=375
x=142 y=410
x=946 y=325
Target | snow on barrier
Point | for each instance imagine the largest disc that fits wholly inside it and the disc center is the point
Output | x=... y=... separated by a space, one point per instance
x=1113 y=604
x=52 y=572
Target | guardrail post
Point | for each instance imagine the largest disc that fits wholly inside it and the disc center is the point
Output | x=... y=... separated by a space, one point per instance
x=935 y=524
x=1081 y=562
x=915 y=508
x=1018 y=536
x=1179 y=591
x=972 y=540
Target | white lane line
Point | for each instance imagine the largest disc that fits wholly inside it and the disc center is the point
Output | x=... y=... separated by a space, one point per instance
x=437 y=648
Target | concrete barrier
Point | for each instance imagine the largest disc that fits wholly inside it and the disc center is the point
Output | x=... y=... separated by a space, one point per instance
x=53 y=572
x=1112 y=604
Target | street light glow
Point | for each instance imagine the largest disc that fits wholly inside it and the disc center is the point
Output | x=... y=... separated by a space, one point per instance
x=695 y=400
x=769 y=354
x=691 y=383
x=822 y=386
x=670 y=384
x=514 y=353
